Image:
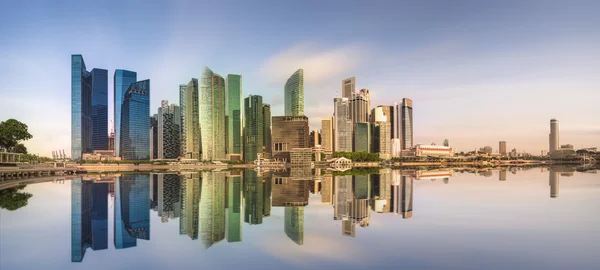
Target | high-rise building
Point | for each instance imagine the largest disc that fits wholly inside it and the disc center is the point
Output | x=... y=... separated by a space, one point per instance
x=166 y=198
x=233 y=219
x=342 y=126
x=212 y=208
x=502 y=147
x=362 y=137
x=154 y=137
x=233 y=84
x=169 y=119
x=122 y=79
x=384 y=114
x=348 y=87
x=360 y=106
x=327 y=134
x=99 y=109
x=190 y=125
x=253 y=137
x=190 y=205
x=288 y=190
x=294 y=94
x=288 y=132
x=267 y=130
x=554 y=142
x=135 y=123
x=294 y=223
x=212 y=115
x=314 y=138
x=407 y=124
x=81 y=108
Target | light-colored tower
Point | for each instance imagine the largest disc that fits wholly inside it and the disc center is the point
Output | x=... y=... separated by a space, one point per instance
x=190 y=125
x=554 y=179
x=342 y=126
x=168 y=123
x=327 y=134
x=294 y=94
x=553 y=135
x=212 y=115
x=503 y=148
x=348 y=87
x=360 y=106
x=407 y=124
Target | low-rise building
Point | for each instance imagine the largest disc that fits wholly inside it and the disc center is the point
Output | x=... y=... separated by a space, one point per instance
x=101 y=155
x=421 y=150
x=301 y=157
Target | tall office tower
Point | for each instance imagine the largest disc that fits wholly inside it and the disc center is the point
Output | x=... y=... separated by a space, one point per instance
x=348 y=87
x=381 y=199
x=267 y=130
x=111 y=141
x=135 y=123
x=99 y=109
x=169 y=122
x=384 y=114
x=342 y=126
x=212 y=208
x=135 y=207
x=253 y=196
x=212 y=115
x=154 y=137
x=233 y=219
x=289 y=132
x=502 y=148
x=294 y=223
x=122 y=238
x=81 y=108
x=407 y=124
x=190 y=205
x=327 y=134
x=190 y=125
x=360 y=106
x=362 y=137
x=233 y=84
x=122 y=79
x=314 y=138
x=89 y=217
x=553 y=136
x=397 y=132
x=167 y=188
x=407 y=197
x=554 y=179
x=294 y=94
x=253 y=137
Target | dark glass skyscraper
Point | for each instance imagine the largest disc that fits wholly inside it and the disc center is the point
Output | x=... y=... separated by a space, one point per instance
x=135 y=205
x=294 y=94
x=121 y=82
x=233 y=84
x=135 y=122
x=81 y=108
x=99 y=109
x=89 y=217
x=121 y=237
x=253 y=137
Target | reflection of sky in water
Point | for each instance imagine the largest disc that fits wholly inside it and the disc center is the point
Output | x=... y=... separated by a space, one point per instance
x=473 y=222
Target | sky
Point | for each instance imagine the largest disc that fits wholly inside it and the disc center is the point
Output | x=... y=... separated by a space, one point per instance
x=478 y=72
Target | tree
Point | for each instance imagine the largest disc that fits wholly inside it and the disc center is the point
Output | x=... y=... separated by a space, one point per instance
x=11 y=199
x=20 y=148
x=11 y=133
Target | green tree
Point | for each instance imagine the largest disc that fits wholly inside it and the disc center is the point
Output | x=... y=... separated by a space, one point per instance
x=11 y=199
x=20 y=148
x=12 y=132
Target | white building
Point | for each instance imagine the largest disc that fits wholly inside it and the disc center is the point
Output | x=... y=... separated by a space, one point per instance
x=396 y=148
x=421 y=150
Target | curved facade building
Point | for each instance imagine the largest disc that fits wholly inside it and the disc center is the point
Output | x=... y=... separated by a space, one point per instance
x=294 y=94
x=212 y=115
x=135 y=122
x=122 y=79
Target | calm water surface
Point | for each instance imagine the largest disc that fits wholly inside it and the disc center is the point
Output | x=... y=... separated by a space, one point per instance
x=441 y=219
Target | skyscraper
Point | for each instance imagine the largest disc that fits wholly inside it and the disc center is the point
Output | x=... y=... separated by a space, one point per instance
x=348 y=87
x=407 y=124
x=234 y=111
x=267 y=130
x=135 y=123
x=169 y=117
x=190 y=125
x=383 y=113
x=154 y=137
x=122 y=79
x=554 y=179
x=99 y=109
x=327 y=134
x=363 y=137
x=212 y=115
x=407 y=197
x=342 y=126
x=554 y=143
x=360 y=106
x=81 y=108
x=289 y=132
x=502 y=147
x=294 y=94
x=253 y=137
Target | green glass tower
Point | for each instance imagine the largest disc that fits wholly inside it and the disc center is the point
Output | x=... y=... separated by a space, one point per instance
x=234 y=207
x=253 y=198
x=253 y=137
x=212 y=115
x=267 y=130
x=233 y=84
x=362 y=138
x=294 y=94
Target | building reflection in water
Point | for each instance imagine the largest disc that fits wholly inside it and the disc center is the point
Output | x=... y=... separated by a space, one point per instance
x=233 y=203
x=212 y=208
x=290 y=190
x=89 y=217
x=165 y=198
x=190 y=205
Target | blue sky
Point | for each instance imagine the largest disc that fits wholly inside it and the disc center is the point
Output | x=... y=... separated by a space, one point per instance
x=478 y=71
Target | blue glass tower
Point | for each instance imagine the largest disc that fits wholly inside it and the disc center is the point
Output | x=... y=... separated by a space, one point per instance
x=121 y=82
x=135 y=205
x=99 y=109
x=81 y=108
x=135 y=122
x=99 y=216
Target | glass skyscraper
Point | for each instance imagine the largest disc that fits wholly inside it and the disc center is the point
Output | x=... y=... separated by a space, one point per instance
x=363 y=138
x=190 y=125
x=89 y=217
x=135 y=122
x=294 y=94
x=267 y=129
x=294 y=223
x=81 y=108
x=99 y=109
x=234 y=111
x=122 y=79
x=407 y=124
x=135 y=205
x=253 y=198
x=342 y=126
x=253 y=137
x=212 y=115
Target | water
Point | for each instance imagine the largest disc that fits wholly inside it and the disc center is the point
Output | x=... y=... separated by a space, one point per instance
x=442 y=219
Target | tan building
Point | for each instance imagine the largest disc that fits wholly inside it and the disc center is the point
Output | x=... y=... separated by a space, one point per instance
x=301 y=157
x=289 y=132
x=383 y=141
x=327 y=134
x=348 y=87
x=502 y=148
x=100 y=155
x=289 y=192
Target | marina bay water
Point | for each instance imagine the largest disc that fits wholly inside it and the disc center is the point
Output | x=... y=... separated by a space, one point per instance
x=302 y=218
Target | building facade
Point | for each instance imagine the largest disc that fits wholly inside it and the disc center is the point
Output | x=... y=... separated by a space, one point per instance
x=294 y=94
x=267 y=130
x=169 y=123
x=135 y=122
x=407 y=124
x=254 y=135
x=289 y=132
x=122 y=79
x=382 y=139
x=553 y=136
x=360 y=106
x=190 y=120
x=99 y=109
x=363 y=138
x=233 y=84
x=342 y=126
x=502 y=147
x=81 y=108
x=212 y=115
x=301 y=157
x=421 y=150
x=327 y=134
x=348 y=87
x=154 y=137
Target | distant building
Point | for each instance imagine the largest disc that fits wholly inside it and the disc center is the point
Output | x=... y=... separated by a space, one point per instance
x=544 y=153
x=135 y=123
x=348 y=87
x=363 y=138
x=421 y=150
x=314 y=138
x=101 y=155
x=360 y=106
x=294 y=94
x=154 y=137
x=382 y=139
x=168 y=123
x=190 y=205
x=406 y=124
x=190 y=117
x=99 y=109
x=122 y=79
x=567 y=146
x=294 y=223
x=289 y=132
x=111 y=141
x=502 y=148
x=212 y=115
x=486 y=150
x=553 y=136
x=267 y=139
x=233 y=84
x=342 y=126
x=396 y=148
x=327 y=134
x=301 y=157
x=253 y=137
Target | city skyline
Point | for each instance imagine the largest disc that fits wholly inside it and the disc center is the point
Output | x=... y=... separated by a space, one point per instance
x=480 y=86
